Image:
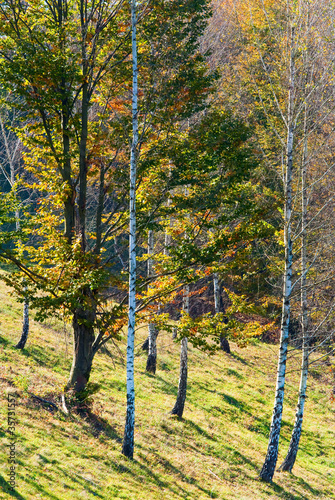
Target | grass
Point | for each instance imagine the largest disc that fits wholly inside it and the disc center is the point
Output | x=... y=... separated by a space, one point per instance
x=215 y=451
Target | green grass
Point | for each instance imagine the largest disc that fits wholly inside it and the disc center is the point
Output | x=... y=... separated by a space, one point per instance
x=216 y=451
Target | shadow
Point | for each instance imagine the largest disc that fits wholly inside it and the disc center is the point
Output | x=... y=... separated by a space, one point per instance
x=235 y=402
x=83 y=482
x=6 y=487
x=307 y=486
x=115 y=384
x=99 y=426
x=4 y=341
x=35 y=484
x=234 y=373
x=239 y=359
x=237 y=458
x=261 y=426
x=170 y=468
x=198 y=429
x=45 y=357
x=284 y=493
x=205 y=387
x=165 y=386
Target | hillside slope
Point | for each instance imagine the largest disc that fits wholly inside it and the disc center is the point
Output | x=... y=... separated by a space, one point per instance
x=216 y=451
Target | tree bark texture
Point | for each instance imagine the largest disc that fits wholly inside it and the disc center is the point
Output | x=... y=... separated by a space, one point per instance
x=178 y=408
x=290 y=458
x=270 y=462
x=25 y=326
x=153 y=330
x=224 y=344
x=83 y=352
x=152 y=354
x=128 y=439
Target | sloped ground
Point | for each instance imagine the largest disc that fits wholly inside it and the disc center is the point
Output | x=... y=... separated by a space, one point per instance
x=216 y=451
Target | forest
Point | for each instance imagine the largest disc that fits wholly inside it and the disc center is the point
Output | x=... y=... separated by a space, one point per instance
x=167 y=284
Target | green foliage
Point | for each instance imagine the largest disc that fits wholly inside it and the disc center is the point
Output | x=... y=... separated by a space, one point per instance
x=235 y=323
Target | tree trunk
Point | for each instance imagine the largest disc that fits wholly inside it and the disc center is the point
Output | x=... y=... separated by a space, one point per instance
x=128 y=438
x=288 y=463
x=152 y=354
x=270 y=462
x=178 y=408
x=145 y=345
x=83 y=353
x=153 y=330
x=224 y=344
x=25 y=326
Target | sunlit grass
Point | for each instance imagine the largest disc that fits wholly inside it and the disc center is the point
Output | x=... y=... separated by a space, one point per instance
x=216 y=451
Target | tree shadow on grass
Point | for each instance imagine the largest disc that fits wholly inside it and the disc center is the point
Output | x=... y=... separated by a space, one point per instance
x=5 y=487
x=95 y=425
x=28 y=480
x=82 y=481
x=98 y=425
x=4 y=342
x=123 y=469
x=191 y=425
x=239 y=359
x=173 y=470
x=240 y=405
x=307 y=486
x=44 y=357
x=276 y=488
x=165 y=386
x=237 y=458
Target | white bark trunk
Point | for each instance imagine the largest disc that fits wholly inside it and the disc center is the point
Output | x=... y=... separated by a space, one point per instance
x=216 y=293
x=152 y=329
x=128 y=440
x=270 y=462
x=178 y=408
x=290 y=458
x=223 y=340
x=11 y=179
x=25 y=325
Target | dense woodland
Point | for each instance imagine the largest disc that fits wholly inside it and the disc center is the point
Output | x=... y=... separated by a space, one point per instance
x=169 y=165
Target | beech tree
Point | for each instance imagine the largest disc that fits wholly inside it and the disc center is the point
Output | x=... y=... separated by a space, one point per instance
x=73 y=75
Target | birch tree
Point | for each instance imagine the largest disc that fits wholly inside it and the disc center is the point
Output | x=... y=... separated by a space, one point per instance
x=223 y=340
x=128 y=438
x=274 y=71
x=272 y=452
x=178 y=408
x=317 y=107
x=152 y=327
x=10 y=168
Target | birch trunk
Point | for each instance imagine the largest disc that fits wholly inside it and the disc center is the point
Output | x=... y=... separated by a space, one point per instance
x=128 y=439
x=270 y=462
x=11 y=160
x=178 y=408
x=223 y=340
x=153 y=330
x=288 y=463
x=25 y=326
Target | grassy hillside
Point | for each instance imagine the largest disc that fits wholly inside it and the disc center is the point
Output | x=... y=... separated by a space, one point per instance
x=216 y=451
